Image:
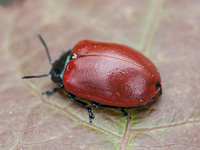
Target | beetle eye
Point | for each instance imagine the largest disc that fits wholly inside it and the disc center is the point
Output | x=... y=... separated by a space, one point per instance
x=55 y=76
x=56 y=72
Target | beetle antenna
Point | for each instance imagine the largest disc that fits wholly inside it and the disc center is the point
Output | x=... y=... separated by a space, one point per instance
x=46 y=48
x=28 y=77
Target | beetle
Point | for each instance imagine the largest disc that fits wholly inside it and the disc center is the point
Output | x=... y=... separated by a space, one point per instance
x=110 y=75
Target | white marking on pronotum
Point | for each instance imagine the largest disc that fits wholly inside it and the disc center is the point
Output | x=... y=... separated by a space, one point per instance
x=74 y=56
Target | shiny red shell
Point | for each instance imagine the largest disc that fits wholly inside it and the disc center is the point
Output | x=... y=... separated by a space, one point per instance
x=111 y=74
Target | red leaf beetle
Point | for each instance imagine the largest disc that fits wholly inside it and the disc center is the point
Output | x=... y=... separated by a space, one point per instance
x=110 y=75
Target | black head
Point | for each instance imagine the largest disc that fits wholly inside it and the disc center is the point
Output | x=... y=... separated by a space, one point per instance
x=58 y=67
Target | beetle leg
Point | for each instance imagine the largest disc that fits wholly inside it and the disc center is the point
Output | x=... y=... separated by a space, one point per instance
x=97 y=105
x=124 y=112
x=85 y=105
x=53 y=90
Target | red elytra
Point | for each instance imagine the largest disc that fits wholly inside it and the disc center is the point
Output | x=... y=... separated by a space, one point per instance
x=110 y=75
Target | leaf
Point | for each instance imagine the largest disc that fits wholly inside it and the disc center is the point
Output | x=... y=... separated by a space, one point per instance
x=166 y=31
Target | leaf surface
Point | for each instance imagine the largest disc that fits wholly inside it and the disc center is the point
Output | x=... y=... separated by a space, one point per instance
x=166 y=31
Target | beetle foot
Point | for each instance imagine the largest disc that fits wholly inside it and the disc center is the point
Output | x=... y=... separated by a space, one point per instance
x=96 y=105
x=124 y=113
x=47 y=93
x=91 y=116
x=128 y=116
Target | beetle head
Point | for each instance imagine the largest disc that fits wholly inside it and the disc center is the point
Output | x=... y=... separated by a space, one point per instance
x=58 y=67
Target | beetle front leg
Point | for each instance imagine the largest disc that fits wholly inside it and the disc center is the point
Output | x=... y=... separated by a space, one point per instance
x=85 y=105
x=53 y=90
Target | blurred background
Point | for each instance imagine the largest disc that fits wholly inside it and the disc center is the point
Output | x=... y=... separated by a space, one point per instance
x=166 y=31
